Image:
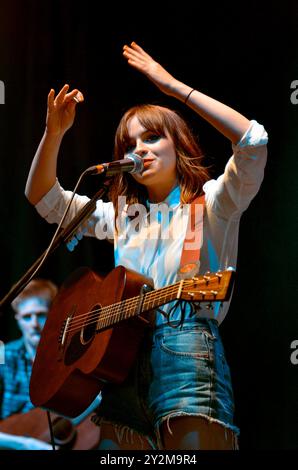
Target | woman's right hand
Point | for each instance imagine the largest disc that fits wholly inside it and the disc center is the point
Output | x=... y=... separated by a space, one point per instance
x=60 y=117
x=61 y=110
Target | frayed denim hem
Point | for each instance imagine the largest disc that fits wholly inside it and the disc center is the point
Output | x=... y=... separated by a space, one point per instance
x=175 y=414
x=125 y=433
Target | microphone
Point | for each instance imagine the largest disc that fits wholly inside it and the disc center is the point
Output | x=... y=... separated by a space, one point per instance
x=132 y=164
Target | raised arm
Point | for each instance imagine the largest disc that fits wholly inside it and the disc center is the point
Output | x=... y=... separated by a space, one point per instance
x=60 y=117
x=225 y=119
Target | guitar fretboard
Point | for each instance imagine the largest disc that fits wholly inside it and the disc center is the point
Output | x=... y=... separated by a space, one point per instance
x=135 y=305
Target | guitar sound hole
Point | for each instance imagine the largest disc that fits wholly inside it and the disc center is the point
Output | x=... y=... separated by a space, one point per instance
x=89 y=328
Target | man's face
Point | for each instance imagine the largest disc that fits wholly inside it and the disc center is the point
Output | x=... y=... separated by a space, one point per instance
x=31 y=317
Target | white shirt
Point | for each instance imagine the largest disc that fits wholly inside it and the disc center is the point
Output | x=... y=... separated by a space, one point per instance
x=155 y=249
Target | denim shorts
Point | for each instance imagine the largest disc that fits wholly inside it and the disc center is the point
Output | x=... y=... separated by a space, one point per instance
x=180 y=371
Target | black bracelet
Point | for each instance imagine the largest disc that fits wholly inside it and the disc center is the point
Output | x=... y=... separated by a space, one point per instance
x=186 y=99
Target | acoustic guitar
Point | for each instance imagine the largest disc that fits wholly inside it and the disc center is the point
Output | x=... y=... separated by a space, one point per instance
x=94 y=329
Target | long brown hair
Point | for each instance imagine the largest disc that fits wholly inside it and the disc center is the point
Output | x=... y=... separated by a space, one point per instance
x=190 y=171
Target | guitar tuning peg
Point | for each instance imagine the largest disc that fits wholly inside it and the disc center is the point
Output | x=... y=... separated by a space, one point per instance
x=210 y=306
x=202 y=293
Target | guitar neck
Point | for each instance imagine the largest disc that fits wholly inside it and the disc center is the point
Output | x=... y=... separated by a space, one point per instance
x=134 y=306
x=211 y=287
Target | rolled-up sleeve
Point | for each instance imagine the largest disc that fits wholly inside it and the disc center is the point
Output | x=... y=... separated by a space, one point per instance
x=231 y=193
x=52 y=206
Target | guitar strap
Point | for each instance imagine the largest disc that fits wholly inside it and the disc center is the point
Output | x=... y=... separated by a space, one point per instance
x=191 y=250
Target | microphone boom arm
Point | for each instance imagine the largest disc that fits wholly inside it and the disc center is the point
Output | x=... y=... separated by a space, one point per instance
x=63 y=236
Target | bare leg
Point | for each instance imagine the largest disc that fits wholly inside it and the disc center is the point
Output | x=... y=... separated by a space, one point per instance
x=116 y=437
x=196 y=433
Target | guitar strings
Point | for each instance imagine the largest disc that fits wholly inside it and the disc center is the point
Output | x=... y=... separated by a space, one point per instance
x=111 y=312
x=153 y=296
x=108 y=310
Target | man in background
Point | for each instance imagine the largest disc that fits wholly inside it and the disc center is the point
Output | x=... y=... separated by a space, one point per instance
x=31 y=308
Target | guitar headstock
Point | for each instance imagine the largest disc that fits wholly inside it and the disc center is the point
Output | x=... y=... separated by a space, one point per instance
x=210 y=287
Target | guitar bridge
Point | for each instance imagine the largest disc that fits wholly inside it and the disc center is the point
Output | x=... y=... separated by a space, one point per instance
x=63 y=334
x=65 y=329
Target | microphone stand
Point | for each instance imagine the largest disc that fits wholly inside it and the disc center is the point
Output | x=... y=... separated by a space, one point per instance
x=63 y=236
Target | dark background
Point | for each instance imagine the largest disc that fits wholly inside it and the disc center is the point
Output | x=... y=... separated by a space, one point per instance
x=244 y=54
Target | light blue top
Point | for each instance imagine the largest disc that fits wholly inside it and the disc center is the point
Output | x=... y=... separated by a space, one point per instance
x=154 y=249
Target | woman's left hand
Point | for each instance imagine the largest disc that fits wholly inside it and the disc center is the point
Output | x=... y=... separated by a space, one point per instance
x=144 y=63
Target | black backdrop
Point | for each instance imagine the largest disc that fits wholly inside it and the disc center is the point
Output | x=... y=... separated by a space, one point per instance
x=242 y=53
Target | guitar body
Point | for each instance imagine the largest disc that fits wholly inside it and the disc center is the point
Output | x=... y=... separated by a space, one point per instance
x=70 y=369
x=34 y=423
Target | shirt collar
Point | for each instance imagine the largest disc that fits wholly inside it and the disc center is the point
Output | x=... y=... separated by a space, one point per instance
x=172 y=200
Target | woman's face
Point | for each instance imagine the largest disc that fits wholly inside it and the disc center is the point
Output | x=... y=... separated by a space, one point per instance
x=159 y=156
